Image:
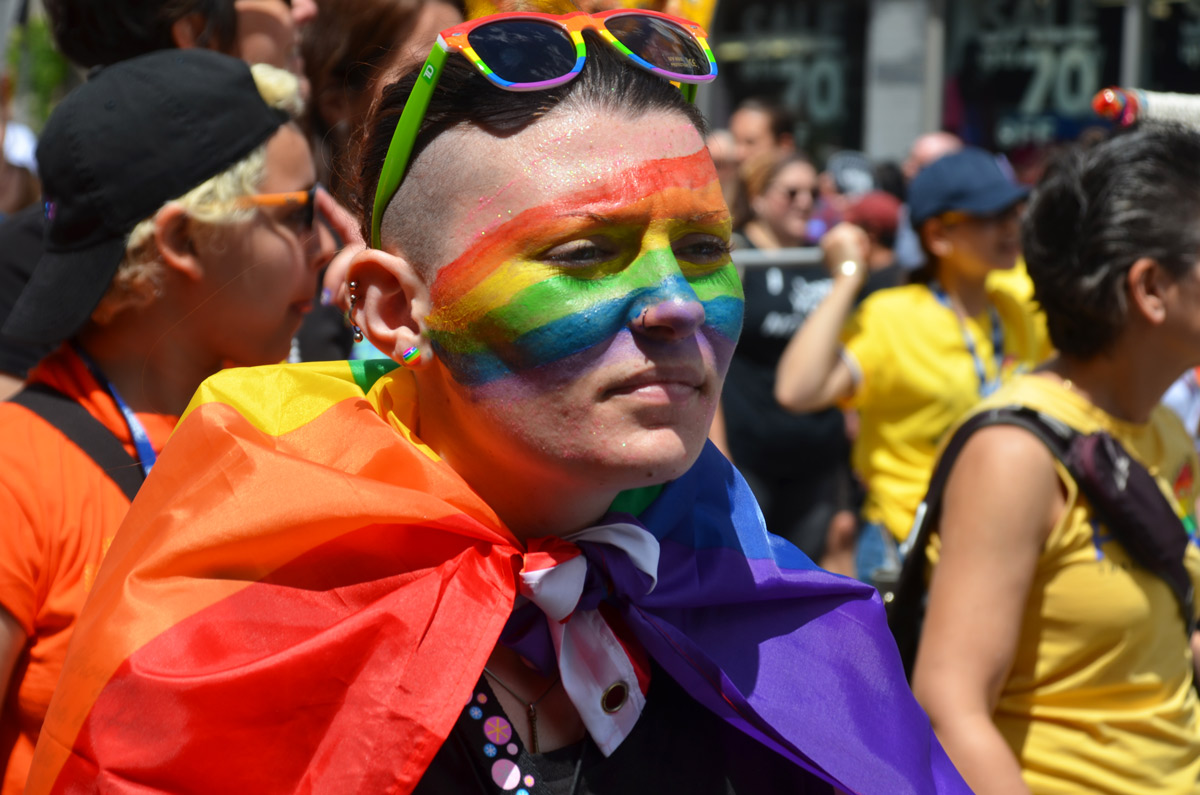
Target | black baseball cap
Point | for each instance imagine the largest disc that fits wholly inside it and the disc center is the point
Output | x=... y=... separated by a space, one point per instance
x=970 y=180
x=20 y=250
x=136 y=135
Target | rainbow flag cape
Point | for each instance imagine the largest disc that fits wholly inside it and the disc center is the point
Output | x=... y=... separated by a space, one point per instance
x=303 y=597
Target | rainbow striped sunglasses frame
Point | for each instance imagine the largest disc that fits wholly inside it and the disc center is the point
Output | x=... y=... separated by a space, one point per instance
x=456 y=39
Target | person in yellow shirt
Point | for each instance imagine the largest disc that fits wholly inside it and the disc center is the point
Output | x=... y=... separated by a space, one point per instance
x=1049 y=661
x=913 y=359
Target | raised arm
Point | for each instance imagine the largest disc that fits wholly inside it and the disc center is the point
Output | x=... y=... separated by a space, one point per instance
x=811 y=374
x=1000 y=503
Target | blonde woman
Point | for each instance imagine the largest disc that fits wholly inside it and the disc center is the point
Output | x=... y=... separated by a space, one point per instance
x=179 y=237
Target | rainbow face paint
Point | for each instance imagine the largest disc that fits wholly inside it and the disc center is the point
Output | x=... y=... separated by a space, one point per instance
x=504 y=307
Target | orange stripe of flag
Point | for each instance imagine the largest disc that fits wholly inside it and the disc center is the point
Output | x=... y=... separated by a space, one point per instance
x=197 y=536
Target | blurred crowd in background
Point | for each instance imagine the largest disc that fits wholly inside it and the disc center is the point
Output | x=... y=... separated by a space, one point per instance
x=883 y=300
x=809 y=469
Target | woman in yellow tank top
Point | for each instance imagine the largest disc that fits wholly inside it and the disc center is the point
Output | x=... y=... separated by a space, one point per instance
x=1050 y=662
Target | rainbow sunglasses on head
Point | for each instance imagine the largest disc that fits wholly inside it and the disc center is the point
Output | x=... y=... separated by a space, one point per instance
x=525 y=51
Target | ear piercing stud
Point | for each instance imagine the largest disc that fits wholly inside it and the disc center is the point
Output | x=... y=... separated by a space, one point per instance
x=358 y=335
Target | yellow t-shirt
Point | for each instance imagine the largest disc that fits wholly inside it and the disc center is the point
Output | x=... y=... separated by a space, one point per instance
x=1100 y=697
x=1016 y=282
x=916 y=380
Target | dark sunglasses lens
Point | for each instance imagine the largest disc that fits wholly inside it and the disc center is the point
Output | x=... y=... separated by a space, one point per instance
x=524 y=51
x=661 y=43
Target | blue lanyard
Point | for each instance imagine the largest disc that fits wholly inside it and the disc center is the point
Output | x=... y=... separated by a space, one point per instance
x=141 y=441
x=986 y=386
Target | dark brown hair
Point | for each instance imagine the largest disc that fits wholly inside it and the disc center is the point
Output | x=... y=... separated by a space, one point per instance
x=92 y=33
x=1098 y=210
x=353 y=40
x=345 y=53
x=760 y=172
x=463 y=96
x=778 y=120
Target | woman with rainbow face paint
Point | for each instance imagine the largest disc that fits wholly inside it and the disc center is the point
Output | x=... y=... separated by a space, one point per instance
x=506 y=558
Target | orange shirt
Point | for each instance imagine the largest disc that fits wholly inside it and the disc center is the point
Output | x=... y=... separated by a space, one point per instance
x=58 y=514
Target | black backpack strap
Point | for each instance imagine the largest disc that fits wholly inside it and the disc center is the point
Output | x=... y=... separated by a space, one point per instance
x=85 y=432
x=906 y=603
x=1127 y=498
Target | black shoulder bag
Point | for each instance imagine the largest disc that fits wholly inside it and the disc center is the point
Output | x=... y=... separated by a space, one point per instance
x=1121 y=491
x=85 y=432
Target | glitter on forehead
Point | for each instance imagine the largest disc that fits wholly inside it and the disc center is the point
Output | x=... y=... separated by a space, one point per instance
x=622 y=188
x=571 y=155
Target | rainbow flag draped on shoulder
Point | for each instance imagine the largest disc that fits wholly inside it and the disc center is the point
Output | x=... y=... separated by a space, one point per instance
x=304 y=595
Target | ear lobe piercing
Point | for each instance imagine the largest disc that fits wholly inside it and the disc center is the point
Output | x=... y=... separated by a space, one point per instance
x=358 y=335
x=410 y=358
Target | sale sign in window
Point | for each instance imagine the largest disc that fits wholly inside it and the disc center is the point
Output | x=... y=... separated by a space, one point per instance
x=1022 y=73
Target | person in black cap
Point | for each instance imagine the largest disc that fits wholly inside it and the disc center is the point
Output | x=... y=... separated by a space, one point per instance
x=913 y=359
x=179 y=238
x=94 y=35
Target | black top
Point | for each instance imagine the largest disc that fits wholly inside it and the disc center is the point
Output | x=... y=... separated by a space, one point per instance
x=764 y=437
x=324 y=336
x=676 y=746
x=882 y=278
